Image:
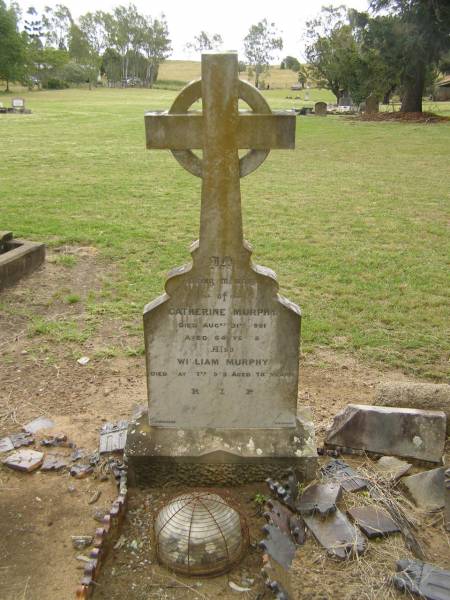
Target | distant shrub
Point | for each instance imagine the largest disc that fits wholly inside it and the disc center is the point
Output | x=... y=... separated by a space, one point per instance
x=56 y=84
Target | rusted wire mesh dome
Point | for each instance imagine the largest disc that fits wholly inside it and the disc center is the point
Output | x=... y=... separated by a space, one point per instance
x=199 y=534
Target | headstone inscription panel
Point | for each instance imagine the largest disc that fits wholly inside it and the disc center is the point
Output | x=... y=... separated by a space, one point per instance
x=222 y=345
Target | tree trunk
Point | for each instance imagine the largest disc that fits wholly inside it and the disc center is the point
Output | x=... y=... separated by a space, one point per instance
x=387 y=97
x=7 y=85
x=413 y=90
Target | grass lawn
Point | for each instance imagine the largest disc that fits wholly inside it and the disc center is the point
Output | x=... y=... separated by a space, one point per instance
x=354 y=221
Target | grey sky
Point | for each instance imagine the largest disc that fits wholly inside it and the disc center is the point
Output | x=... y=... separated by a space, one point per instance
x=230 y=18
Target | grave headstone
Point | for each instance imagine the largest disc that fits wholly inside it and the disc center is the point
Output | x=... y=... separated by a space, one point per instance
x=372 y=104
x=320 y=109
x=18 y=104
x=222 y=345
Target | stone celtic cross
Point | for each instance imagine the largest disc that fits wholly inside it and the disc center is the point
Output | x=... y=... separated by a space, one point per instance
x=222 y=345
x=220 y=131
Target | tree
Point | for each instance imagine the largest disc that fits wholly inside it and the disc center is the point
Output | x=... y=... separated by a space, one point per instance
x=332 y=51
x=56 y=24
x=85 y=64
x=12 y=46
x=302 y=76
x=205 y=41
x=156 y=46
x=291 y=63
x=423 y=31
x=260 y=45
x=123 y=28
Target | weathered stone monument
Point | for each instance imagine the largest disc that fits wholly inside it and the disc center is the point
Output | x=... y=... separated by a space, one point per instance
x=372 y=104
x=222 y=345
x=320 y=109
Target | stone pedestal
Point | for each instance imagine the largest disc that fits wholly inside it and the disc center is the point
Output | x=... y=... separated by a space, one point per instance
x=163 y=456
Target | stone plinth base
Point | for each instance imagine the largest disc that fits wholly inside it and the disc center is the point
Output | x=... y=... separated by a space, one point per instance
x=19 y=257
x=198 y=457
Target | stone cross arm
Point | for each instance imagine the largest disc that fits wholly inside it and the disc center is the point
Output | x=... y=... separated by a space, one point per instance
x=185 y=131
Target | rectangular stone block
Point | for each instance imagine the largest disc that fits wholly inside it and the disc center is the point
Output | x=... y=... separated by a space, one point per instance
x=418 y=434
x=18 y=258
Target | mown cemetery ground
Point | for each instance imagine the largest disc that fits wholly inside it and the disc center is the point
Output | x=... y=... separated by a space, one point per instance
x=354 y=222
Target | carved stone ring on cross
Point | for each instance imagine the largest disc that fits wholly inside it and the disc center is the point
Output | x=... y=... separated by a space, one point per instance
x=193 y=92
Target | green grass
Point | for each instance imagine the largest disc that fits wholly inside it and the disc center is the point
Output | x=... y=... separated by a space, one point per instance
x=354 y=221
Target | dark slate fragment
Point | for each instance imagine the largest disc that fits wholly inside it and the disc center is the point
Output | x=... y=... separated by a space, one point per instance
x=278 y=546
x=349 y=478
x=422 y=579
x=373 y=521
x=278 y=515
x=298 y=529
x=336 y=534
x=319 y=498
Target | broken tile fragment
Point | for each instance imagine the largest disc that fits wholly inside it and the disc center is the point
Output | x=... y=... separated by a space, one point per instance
x=38 y=424
x=373 y=521
x=319 y=498
x=81 y=541
x=392 y=467
x=422 y=579
x=54 y=462
x=6 y=444
x=407 y=432
x=80 y=471
x=59 y=439
x=339 y=471
x=16 y=440
x=113 y=437
x=24 y=460
x=335 y=533
x=77 y=454
x=426 y=489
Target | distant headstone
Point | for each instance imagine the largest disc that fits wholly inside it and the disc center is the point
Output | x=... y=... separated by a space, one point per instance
x=372 y=104
x=345 y=100
x=320 y=109
x=222 y=346
x=18 y=104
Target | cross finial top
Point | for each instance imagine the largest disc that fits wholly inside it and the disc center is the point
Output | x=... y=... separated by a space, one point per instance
x=220 y=131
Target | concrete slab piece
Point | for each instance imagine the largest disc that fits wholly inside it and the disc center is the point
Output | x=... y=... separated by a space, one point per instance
x=392 y=467
x=422 y=579
x=426 y=489
x=336 y=534
x=373 y=521
x=411 y=433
